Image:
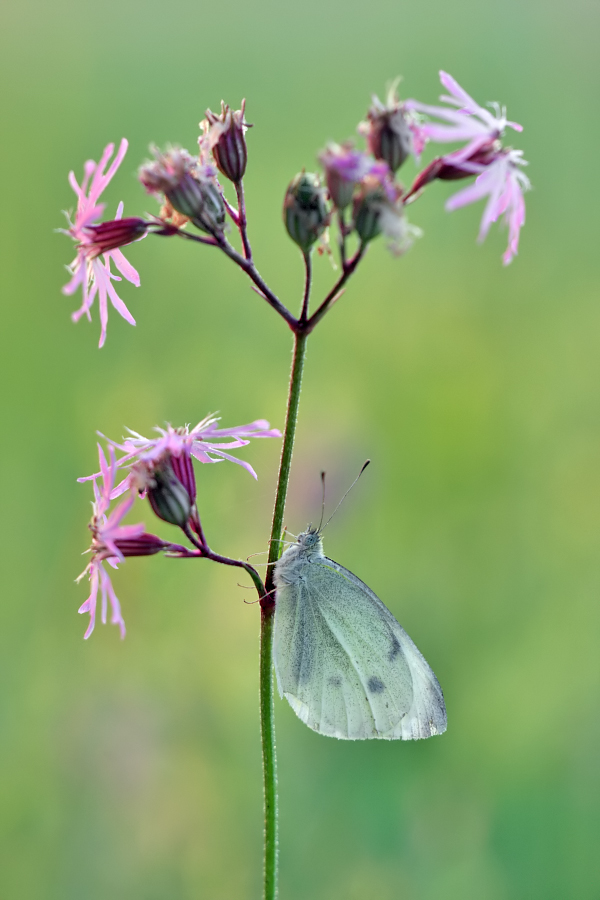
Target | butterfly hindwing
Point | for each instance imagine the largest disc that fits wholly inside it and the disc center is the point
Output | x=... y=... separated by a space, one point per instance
x=426 y=715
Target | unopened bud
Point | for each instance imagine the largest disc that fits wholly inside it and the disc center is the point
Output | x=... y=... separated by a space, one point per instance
x=116 y=233
x=367 y=209
x=167 y=495
x=226 y=140
x=344 y=167
x=387 y=130
x=304 y=210
x=445 y=169
x=143 y=545
x=189 y=187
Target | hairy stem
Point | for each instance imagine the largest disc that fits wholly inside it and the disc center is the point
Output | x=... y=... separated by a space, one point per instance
x=269 y=756
x=307 y=285
x=267 y=711
x=206 y=553
x=289 y=435
x=242 y=224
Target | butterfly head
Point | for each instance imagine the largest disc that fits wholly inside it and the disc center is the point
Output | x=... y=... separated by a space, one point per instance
x=310 y=539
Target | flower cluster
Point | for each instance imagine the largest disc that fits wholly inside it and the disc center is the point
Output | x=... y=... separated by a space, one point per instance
x=394 y=130
x=161 y=470
x=360 y=186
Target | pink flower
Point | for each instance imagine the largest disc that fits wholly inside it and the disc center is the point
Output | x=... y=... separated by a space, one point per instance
x=470 y=122
x=112 y=542
x=203 y=442
x=504 y=183
x=88 y=270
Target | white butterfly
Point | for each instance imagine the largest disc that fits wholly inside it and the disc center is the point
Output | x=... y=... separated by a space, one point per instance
x=346 y=666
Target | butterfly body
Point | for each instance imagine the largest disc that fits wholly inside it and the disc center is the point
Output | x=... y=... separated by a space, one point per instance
x=346 y=666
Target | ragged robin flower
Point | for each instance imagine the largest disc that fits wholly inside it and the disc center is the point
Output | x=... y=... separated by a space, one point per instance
x=94 y=241
x=204 y=443
x=498 y=169
x=111 y=543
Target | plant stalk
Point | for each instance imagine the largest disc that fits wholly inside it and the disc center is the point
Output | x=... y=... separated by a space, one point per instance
x=267 y=708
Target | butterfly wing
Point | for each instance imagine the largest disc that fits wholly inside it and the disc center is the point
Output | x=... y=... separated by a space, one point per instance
x=344 y=663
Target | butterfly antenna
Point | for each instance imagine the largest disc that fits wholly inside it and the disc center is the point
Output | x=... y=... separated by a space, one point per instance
x=322 y=500
x=364 y=466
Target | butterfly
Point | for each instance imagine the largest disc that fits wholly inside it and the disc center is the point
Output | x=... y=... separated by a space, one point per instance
x=346 y=666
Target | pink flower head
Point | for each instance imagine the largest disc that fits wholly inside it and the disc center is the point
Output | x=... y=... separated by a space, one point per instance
x=504 y=183
x=468 y=122
x=204 y=442
x=112 y=542
x=88 y=270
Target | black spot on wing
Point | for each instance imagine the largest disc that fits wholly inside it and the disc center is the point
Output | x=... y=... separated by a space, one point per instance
x=335 y=681
x=375 y=685
x=395 y=648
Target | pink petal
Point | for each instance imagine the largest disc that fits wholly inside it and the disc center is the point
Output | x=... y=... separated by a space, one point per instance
x=459 y=93
x=245 y=465
x=116 y=617
x=90 y=604
x=470 y=194
x=124 y=267
x=119 y=305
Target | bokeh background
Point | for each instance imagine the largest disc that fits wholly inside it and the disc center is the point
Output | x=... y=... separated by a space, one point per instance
x=131 y=769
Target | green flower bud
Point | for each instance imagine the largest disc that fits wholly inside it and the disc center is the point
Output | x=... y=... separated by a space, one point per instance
x=367 y=209
x=200 y=200
x=387 y=130
x=304 y=210
x=168 y=497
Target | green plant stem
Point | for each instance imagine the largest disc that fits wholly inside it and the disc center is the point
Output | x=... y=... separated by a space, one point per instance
x=267 y=730
x=267 y=708
x=289 y=435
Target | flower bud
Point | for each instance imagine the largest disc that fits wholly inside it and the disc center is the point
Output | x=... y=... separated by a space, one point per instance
x=367 y=209
x=143 y=545
x=190 y=188
x=167 y=495
x=388 y=130
x=226 y=140
x=344 y=168
x=445 y=168
x=116 y=233
x=304 y=210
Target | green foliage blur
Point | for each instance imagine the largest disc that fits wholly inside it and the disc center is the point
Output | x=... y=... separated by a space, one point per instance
x=131 y=770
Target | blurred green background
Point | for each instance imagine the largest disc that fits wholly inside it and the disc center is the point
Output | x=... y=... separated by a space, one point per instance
x=131 y=769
